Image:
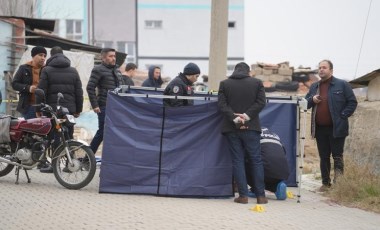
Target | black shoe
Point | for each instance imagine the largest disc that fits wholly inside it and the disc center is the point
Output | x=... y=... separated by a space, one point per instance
x=324 y=188
x=47 y=169
x=43 y=164
x=85 y=163
x=66 y=170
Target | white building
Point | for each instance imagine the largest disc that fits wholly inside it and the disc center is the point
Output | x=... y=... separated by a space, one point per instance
x=113 y=24
x=172 y=33
x=71 y=17
x=166 y=33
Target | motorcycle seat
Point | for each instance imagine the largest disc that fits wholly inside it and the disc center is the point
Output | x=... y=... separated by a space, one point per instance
x=15 y=122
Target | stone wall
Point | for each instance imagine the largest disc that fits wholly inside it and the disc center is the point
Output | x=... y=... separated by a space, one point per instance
x=281 y=72
x=282 y=77
x=363 y=142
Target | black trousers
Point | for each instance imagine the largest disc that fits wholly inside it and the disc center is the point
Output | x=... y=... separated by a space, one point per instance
x=270 y=183
x=327 y=146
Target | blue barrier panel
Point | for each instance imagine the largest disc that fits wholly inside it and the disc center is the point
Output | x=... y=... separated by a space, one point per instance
x=152 y=149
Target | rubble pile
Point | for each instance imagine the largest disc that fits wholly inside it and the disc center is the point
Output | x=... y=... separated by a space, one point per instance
x=283 y=78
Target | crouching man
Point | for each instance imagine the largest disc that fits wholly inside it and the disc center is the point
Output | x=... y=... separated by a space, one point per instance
x=276 y=168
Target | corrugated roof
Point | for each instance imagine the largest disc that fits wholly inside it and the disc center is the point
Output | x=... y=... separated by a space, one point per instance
x=48 y=40
x=36 y=34
x=35 y=23
x=364 y=80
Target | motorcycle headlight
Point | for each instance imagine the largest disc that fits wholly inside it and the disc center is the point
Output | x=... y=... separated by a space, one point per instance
x=70 y=120
x=62 y=111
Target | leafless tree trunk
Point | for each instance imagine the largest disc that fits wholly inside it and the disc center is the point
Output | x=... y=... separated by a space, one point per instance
x=18 y=8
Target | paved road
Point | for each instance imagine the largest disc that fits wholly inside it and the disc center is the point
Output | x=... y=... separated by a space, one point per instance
x=45 y=204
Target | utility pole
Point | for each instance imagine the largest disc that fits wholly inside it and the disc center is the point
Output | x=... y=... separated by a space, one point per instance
x=218 y=43
x=91 y=22
x=137 y=33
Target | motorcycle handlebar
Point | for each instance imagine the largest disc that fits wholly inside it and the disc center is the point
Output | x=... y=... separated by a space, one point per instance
x=45 y=108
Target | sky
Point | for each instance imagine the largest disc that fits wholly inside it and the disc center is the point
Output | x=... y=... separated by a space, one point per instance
x=304 y=32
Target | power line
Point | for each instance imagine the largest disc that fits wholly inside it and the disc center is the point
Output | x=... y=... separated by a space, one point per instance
x=361 y=45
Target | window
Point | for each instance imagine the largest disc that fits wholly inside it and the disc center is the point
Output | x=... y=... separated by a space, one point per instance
x=128 y=48
x=231 y=24
x=121 y=47
x=230 y=68
x=153 y=24
x=74 y=30
x=56 y=27
x=131 y=51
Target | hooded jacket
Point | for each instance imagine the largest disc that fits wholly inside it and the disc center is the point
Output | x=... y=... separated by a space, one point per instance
x=59 y=77
x=151 y=82
x=241 y=93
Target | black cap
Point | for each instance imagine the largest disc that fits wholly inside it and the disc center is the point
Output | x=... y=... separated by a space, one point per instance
x=191 y=69
x=38 y=50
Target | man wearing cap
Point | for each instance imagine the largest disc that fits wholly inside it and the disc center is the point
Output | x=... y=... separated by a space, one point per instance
x=59 y=77
x=26 y=80
x=182 y=86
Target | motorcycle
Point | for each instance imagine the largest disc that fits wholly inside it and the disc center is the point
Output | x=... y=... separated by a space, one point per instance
x=32 y=141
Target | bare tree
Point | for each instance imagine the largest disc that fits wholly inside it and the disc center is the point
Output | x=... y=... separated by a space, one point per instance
x=18 y=8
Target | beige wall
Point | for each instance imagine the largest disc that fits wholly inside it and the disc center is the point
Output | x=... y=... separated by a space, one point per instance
x=115 y=20
x=363 y=142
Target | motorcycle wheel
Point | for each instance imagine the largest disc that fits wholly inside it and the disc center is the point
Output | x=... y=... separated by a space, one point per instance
x=81 y=172
x=5 y=168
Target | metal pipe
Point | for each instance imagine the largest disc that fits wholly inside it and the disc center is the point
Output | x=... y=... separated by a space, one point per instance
x=5 y=160
x=137 y=33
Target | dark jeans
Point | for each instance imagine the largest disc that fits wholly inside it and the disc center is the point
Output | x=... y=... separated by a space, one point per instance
x=327 y=146
x=246 y=145
x=270 y=183
x=98 y=138
x=30 y=113
x=69 y=134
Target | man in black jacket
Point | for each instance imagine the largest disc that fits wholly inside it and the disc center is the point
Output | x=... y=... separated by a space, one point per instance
x=104 y=77
x=154 y=78
x=130 y=72
x=26 y=80
x=240 y=99
x=59 y=77
x=182 y=86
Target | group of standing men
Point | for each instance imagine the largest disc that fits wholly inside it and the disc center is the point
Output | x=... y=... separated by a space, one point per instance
x=54 y=77
x=240 y=99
